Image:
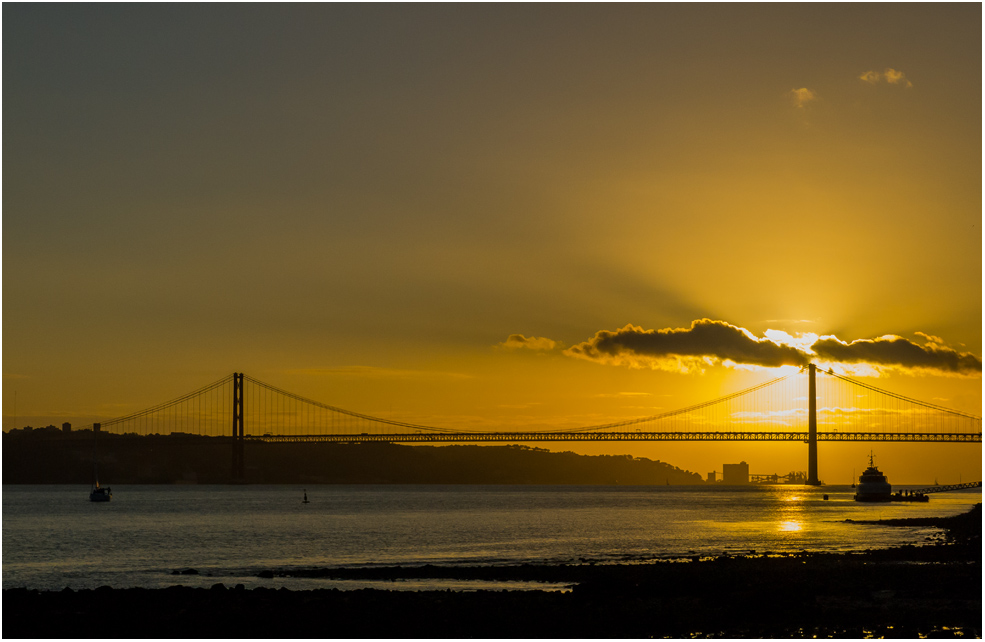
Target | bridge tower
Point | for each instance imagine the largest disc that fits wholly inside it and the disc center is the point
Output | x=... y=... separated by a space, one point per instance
x=812 y=479
x=238 y=473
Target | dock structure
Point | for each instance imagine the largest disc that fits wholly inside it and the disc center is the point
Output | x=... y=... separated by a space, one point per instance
x=946 y=487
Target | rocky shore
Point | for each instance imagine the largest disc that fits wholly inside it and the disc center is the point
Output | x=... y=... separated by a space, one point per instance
x=905 y=592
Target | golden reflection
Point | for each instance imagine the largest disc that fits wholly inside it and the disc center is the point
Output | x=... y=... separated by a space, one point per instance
x=789 y=519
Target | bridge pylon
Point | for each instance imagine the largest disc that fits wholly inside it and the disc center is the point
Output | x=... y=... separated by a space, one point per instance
x=812 y=479
x=237 y=469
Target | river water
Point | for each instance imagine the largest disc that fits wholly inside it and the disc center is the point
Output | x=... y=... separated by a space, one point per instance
x=53 y=537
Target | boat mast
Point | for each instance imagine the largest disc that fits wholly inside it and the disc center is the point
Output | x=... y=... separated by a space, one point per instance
x=95 y=469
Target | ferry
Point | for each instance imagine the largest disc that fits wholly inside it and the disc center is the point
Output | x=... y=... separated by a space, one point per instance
x=873 y=485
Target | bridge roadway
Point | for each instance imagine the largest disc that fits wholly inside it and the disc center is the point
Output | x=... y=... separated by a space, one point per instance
x=512 y=437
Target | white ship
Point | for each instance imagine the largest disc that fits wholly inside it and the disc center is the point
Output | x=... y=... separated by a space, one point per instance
x=873 y=485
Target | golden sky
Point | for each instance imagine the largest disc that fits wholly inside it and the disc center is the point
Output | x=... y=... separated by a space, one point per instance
x=494 y=215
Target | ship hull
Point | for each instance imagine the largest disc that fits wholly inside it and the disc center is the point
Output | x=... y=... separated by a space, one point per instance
x=873 y=497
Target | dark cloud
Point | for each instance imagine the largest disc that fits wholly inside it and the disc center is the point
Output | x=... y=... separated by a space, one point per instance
x=893 y=351
x=705 y=339
x=708 y=342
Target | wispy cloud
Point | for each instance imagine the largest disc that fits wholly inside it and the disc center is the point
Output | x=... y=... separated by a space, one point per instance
x=519 y=406
x=372 y=372
x=622 y=395
x=891 y=76
x=802 y=96
x=871 y=77
x=791 y=321
x=709 y=343
x=518 y=341
x=894 y=77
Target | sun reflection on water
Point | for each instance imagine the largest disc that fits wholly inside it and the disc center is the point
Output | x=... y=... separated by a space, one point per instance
x=789 y=527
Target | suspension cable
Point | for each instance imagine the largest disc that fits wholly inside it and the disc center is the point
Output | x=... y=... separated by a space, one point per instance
x=402 y=424
x=680 y=411
x=168 y=404
x=903 y=398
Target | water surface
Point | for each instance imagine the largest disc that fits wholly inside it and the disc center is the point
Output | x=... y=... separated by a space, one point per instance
x=53 y=537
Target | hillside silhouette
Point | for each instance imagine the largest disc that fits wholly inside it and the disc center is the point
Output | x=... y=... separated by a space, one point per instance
x=48 y=458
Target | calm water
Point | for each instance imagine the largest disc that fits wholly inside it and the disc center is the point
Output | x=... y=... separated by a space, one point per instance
x=54 y=537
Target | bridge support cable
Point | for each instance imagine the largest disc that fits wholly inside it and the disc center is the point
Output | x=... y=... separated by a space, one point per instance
x=203 y=412
x=841 y=405
x=296 y=414
x=851 y=406
x=269 y=410
x=274 y=411
x=734 y=408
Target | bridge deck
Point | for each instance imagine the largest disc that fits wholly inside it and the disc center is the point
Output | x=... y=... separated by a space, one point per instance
x=512 y=437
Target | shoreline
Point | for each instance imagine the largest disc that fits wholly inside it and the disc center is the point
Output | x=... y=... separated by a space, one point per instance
x=901 y=592
x=727 y=597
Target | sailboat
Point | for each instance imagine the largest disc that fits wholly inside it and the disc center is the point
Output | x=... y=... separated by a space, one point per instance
x=100 y=493
x=305 y=500
x=97 y=493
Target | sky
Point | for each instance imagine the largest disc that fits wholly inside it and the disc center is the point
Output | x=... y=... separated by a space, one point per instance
x=495 y=216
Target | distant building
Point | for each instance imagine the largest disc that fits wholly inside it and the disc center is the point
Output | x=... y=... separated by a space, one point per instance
x=66 y=427
x=735 y=473
x=712 y=476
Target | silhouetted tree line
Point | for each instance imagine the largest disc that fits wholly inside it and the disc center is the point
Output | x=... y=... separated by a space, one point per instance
x=32 y=458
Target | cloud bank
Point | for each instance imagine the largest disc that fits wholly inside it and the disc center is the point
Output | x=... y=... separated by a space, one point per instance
x=705 y=343
x=897 y=353
x=708 y=343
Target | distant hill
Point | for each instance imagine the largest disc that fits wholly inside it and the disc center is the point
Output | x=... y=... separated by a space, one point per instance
x=49 y=459
x=396 y=464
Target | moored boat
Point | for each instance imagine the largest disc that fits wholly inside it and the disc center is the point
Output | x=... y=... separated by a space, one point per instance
x=100 y=493
x=873 y=486
x=97 y=493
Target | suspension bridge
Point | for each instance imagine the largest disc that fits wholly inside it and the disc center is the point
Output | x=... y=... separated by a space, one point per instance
x=241 y=408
